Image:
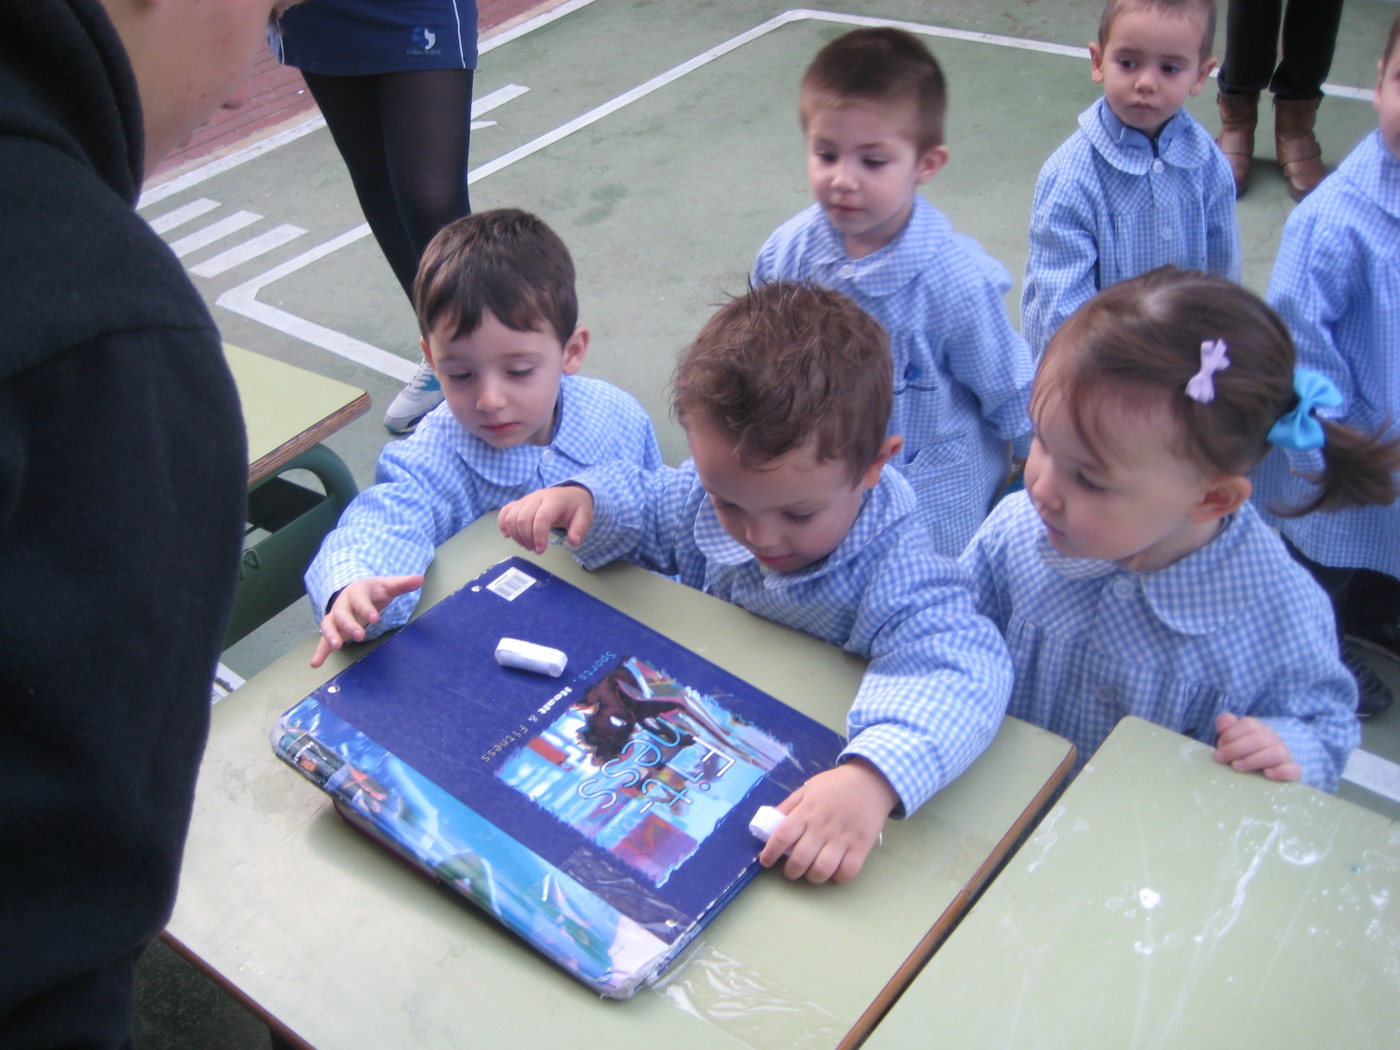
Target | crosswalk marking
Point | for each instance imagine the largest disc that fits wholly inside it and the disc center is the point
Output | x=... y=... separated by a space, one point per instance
x=213 y=232
x=249 y=249
x=183 y=214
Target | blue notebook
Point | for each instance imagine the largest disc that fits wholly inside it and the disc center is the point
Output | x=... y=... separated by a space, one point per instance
x=601 y=815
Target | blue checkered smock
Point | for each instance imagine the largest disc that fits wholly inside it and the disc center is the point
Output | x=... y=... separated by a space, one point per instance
x=1237 y=626
x=434 y=483
x=1336 y=282
x=1110 y=205
x=936 y=687
x=962 y=376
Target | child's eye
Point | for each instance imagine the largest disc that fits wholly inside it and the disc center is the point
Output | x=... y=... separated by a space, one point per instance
x=459 y=377
x=825 y=156
x=875 y=162
x=520 y=373
x=1128 y=63
x=1171 y=70
x=1085 y=483
x=800 y=519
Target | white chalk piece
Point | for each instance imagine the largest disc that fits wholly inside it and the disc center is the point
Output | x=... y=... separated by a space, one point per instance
x=527 y=656
x=765 y=821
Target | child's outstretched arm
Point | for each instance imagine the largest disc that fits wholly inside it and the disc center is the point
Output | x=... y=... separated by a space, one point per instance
x=528 y=520
x=831 y=823
x=357 y=606
x=1248 y=745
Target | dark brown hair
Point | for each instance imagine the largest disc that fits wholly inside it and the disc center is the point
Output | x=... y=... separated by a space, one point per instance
x=506 y=261
x=1138 y=343
x=1200 y=11
x=883 y=66
x=789 y=364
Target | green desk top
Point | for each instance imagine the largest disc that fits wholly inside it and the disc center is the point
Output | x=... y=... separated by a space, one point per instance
x=287 y=409
x=346 y=946
x=1167 y=901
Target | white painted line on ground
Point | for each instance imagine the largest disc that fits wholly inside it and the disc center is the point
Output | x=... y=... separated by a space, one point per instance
x=514 y=33
x=193 y=210
x=243 y=300
x=1374 y=774
x=214 y=231
x=597 y=113
x=487 y=103
x=204 y=172
x=499 y=97
x=326 y=336
x=249 y=249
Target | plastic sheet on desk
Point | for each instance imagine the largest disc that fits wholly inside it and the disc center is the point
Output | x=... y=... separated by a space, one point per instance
x=745 y=1004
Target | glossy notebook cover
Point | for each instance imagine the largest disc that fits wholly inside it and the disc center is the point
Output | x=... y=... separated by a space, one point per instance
x=601 y=815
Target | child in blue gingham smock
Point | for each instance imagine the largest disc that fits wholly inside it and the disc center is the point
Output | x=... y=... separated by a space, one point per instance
x=1337 y=284
x=1140 y=184
x=498 y=311
x=1132 y=576
x=786 y=509
x=872 y=112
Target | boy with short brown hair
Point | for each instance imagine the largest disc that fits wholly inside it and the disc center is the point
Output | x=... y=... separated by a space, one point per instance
x=785 y=509
x=872 y=105
x=1140 y=184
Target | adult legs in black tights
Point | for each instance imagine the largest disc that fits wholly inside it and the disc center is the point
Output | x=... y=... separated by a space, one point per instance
x=404 y=139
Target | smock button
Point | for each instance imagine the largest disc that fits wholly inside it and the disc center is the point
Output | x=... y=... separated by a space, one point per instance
x=1123 y=588
x=912 y=372
x=547 y=456
x=847 y=272
x=1158 y=167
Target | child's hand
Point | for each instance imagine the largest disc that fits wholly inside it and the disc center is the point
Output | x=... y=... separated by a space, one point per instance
x=529 y=519
x=1247 y=744
x=357 y=606
x=832 y=822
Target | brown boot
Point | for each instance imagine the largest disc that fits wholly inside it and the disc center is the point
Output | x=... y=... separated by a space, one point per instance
x=1238 y=115
x=1298 y=150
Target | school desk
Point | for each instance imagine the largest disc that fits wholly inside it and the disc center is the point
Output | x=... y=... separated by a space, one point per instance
x=1167 y=901
x=332 y=939
x=288 y=411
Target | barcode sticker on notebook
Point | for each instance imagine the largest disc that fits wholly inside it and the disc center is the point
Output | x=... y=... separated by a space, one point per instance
x=510 y=584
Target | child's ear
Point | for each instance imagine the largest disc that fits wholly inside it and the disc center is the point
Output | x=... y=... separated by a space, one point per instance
x=1096 y=62
x=889 y=448
x=1224 y=496
x=575 y=349
x=1206 y=68
x=427 y=350
x=931 y=163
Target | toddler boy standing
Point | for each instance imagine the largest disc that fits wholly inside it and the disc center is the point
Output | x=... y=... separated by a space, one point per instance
x=1141 y=184
x=785 y=509
x=872 y=105
x=499 y=317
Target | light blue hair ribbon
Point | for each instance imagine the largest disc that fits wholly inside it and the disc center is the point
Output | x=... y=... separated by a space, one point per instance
x=1298 y=429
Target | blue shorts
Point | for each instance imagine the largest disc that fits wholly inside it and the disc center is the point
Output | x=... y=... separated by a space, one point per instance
x=363 y=37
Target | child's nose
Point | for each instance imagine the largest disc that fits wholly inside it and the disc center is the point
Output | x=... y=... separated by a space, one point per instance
x=1041 y=487
x=759 y=532
x=845 y=177
x=490 y=397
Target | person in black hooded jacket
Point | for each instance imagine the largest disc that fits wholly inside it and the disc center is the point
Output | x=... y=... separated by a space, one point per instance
x=123 y=473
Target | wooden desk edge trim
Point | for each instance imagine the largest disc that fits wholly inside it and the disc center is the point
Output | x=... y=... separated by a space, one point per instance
x=957 y=908
x=268 y=464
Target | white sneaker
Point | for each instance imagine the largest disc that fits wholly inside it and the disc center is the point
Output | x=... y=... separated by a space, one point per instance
x=421 y=396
